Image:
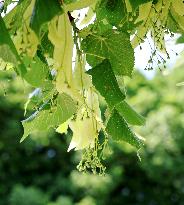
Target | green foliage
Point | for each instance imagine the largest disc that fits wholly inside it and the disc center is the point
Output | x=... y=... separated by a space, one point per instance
x=42 y=163
x=38 y=39
x=29 y=196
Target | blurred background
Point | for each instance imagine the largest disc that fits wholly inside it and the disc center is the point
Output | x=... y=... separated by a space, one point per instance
x=40 y=171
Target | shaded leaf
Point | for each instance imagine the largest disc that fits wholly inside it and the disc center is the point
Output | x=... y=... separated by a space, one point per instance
x=129 y=114
x=105 y=82
x=43 y=12
x=119 y=130
x=46 y=46
x=172 y=25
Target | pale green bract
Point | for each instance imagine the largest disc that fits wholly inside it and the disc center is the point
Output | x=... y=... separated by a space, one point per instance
x=87 y=124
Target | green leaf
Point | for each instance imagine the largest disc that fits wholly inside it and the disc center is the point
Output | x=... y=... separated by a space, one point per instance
x=119 y=130
x=113 y=45
x=129 y=114
x=77 y=4
x=40 y=96
x=178 y=19
x=180 y=39
x=112 y=11
x=43 y=12
x=136 y=3
x=63 y=110
x=10 y=54
x=178 y=6
x=172 y=24
x=14 y=19
x=8 y=51
x=46 y=46
x=6 y=4
x=105 y=82
x=37 y=71
x=69 y=1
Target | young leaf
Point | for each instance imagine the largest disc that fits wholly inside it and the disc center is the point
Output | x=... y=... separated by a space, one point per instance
x=129 y=114
x=119 y=130
x=105 y=82
x=113 y=45
x=44 y=119
x=43 y=12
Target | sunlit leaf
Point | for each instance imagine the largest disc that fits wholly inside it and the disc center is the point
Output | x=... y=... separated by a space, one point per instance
x=113 y=45
x=36 y=68
x=42 y=120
